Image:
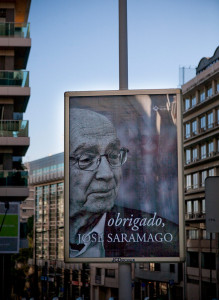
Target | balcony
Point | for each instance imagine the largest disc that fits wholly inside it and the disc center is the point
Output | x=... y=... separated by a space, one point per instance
x=14 y=78
x=14 y=134
x=13 y=128
x=195 y=216
x=15 y=84
x=21 y=30
x=14 y=185
x=16 y=37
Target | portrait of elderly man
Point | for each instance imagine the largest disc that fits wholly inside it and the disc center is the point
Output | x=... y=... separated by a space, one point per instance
x=98 y=225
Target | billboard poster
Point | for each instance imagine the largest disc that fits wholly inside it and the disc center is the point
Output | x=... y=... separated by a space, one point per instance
x=123 y=181
x=9 y=227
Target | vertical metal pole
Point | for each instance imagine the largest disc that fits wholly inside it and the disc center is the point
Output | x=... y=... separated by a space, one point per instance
x=125 y=273
x=211 y=288
x=125 y=282
x=123 y=46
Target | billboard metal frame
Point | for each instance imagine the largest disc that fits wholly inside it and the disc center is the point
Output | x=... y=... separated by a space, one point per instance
x=177 y=93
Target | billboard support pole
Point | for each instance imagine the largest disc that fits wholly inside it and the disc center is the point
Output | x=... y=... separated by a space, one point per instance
x=123 y=46
x=125 y=274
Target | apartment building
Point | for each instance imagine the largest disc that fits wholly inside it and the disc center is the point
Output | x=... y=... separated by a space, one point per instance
x=15 y=44
x=201 y=160
x=46 y=179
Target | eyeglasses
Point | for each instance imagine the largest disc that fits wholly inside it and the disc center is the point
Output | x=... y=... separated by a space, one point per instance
x=90 y=161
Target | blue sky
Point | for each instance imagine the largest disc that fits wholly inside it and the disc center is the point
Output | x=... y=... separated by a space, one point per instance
x=75 y=48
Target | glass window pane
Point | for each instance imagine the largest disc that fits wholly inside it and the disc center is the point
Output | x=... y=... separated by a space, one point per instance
x=210 y=148
x=204 y=175
x=188 y=156
x=188 y=182
x=195 y=206
x=210 y=120
x=203 y=123
x=203 y=151
x=195 y=180
x=193 y=101
x=187 y=130
x=187 y=104
x=203 y=206
x=202 y=96
x=189 y=207
x=209 y=91
x=194 y=127
x=211 y=172
x=194 y=154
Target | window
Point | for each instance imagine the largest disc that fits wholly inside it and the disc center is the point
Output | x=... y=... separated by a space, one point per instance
x=195 y=206
x=172 y=268
x=211 y=172
x=210 y=120
x=202 y=96
x=204 y=175
x=194 y=154
x=210 y=148
x=209 y=261
x=203 y=206
x=188 y=156
x=144 y=266
x=193 y=101
x=195 y=180
x=218 y=116
x=194 y=127
x=209 y=91
x=203 y=123
x=188 y=182
x=98 y=276
x=187 y=130
x=187 y=104
x=193 y=260
x=110 y=273
x=98 y=271
x=193 y=234
x=207 y=236
x=189 y=207
x=217 y=85
x=154 y=267
x=203 y=151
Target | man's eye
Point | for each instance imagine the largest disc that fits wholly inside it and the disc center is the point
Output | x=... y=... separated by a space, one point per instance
x=86 y=158
x=114 y=155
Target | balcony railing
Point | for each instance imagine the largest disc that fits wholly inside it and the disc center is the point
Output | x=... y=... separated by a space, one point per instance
x=13 y=128
x=197 y=215
x=15 y=30
x=14 y=78
x=13 y=178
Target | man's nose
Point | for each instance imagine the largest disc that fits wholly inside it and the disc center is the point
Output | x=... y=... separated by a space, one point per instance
x=104 y=171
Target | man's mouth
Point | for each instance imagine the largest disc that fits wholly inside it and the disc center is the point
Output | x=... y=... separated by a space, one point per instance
x=102 y=193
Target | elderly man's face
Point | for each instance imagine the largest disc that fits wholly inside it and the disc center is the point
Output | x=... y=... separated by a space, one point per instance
x=93 y=191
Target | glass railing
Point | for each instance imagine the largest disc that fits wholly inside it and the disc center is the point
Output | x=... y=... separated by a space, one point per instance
x=14 y=78
x=13 y=178
x=14 y=128
x=15 y=30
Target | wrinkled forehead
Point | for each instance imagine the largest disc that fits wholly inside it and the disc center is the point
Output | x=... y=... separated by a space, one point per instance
x=90 y=128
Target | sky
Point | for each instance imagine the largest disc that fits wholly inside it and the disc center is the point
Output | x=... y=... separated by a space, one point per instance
x=75 y=48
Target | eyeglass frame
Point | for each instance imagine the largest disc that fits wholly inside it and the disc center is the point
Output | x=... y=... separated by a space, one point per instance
x=98 y=159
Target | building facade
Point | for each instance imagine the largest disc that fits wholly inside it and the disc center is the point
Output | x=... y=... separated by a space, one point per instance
x=54 y=277
x=201 y=160
x=15 y=44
